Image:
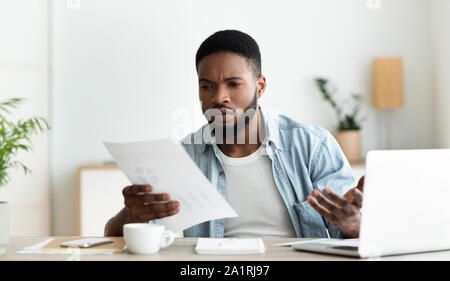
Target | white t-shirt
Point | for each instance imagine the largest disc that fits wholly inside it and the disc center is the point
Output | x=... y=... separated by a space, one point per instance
x=253 y=194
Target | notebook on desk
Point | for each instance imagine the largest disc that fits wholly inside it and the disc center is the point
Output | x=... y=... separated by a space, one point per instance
x=229 y=246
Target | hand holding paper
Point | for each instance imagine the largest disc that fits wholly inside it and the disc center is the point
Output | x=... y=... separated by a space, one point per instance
x=144 y=205
x=169 y=169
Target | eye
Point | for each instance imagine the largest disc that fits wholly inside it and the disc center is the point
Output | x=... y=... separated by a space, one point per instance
x=204 y=87
x=235 y=84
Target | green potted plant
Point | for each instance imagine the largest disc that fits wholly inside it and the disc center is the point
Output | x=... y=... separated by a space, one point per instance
x=15 y=136
x=348 y=133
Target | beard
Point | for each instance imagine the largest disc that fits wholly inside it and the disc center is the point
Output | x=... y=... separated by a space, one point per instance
x=223 y=130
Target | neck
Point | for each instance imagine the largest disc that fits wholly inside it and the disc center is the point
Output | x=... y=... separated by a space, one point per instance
x=234 y=149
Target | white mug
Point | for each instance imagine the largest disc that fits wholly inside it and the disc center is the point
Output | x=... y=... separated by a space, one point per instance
x=145 y=238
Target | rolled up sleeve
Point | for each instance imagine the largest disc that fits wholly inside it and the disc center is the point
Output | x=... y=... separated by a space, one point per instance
x=330 y=168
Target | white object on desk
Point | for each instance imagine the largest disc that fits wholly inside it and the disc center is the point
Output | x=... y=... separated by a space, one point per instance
x=229 y=246
x=34 y=249
x=145 y=238
x=405 y=206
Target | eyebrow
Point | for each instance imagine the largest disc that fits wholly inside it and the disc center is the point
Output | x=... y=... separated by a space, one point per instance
x=226 y=79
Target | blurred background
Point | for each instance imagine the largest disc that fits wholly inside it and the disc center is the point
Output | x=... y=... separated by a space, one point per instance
x=117 y=70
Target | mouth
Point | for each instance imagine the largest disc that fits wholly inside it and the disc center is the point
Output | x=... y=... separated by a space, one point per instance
x=225 y=110
x=226 y=114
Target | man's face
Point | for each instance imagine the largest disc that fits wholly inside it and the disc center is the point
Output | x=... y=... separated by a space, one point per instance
x=227 y=84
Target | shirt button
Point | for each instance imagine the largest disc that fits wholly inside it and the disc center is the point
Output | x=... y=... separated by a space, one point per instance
x=222 y=174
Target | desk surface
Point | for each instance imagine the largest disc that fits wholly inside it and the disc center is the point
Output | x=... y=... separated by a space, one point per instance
x=183 y=249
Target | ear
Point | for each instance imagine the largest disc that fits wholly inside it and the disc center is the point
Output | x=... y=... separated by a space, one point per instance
x=261 y=85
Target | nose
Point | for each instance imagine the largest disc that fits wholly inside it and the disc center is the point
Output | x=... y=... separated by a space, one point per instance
x=221 y=96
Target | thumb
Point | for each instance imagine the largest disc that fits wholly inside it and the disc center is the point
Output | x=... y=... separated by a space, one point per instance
x=361 y=184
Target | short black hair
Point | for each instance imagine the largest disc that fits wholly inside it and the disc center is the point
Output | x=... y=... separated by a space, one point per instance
x=234 y=41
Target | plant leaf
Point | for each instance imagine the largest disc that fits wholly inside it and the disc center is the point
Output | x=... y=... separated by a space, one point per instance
x=16 y=136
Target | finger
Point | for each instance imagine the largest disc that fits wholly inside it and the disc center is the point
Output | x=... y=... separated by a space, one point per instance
x=156 y=207
x=150 y=197
x=166 y=213
x=320 y=209
x=360 y=185
x=345 y=205
x=136 y=189
x=158 y=215
x=325 y=202
x=145 y=198
x=357 y=198
x=341 y=201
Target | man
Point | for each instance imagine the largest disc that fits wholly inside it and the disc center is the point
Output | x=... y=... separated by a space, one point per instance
x=283 y=178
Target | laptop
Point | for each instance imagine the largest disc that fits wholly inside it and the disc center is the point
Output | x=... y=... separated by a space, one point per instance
x=406 y=206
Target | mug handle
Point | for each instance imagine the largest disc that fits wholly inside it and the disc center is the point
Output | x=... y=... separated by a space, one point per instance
x=167 y=238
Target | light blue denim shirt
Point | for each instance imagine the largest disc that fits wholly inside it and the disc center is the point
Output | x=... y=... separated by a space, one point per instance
x=304 y=157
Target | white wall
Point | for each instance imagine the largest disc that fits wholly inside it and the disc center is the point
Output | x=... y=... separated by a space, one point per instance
x=121 y=67
x=24 y=73
x=440 y=14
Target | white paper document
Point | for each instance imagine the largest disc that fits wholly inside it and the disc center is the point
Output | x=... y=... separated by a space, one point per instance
x=34 y=249
x=229 y=246
x=169 y=169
